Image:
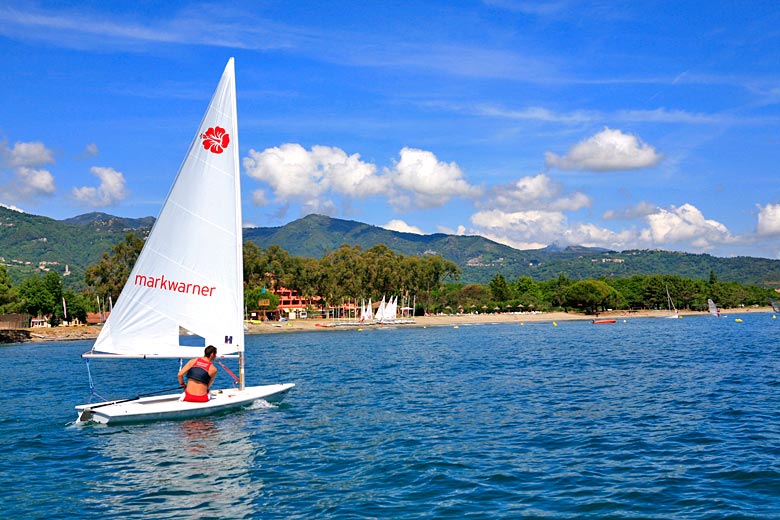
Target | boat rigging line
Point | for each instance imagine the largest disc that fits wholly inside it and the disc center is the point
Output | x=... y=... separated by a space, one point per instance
x=236 y=380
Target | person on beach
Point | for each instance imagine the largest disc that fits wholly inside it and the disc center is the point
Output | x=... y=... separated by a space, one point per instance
x=200 y=374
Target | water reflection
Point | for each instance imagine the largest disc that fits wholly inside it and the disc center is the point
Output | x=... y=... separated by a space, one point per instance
x=196 y=468
x=198 y=434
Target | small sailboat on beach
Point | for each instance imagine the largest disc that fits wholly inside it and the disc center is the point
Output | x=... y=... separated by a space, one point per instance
x=189 y=275
x=366 y=312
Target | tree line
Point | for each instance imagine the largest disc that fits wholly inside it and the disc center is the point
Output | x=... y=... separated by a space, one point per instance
x=351 y=273
x=638 y=292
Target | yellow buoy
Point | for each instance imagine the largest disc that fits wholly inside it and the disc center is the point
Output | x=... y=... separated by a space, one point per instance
x=555 y=324
x=738 y=320
x=455 y=327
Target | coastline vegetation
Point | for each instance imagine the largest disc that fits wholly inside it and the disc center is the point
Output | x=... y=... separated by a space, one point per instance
x=351 y=273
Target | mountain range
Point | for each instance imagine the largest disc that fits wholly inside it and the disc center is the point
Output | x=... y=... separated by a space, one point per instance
x=30 y=243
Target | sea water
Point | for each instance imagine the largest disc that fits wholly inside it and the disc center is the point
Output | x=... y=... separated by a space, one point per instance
x=644 y=418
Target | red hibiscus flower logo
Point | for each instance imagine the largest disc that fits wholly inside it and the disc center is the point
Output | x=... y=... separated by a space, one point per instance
x=215 y=140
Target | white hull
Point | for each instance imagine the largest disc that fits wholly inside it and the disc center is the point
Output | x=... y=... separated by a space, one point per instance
x=170 y=407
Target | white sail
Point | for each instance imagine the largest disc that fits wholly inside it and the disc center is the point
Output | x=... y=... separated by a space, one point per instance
x=190 y=272
x=713 y=308
x=670 y=303
x=380 y=311
x=391 y=311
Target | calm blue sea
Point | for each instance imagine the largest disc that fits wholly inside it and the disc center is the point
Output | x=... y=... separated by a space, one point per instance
x=646 y=418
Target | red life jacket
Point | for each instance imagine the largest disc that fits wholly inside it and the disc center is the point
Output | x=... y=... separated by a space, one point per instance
x=199 y=371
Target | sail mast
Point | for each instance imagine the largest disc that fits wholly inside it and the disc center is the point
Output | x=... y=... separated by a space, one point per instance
x=239 y=243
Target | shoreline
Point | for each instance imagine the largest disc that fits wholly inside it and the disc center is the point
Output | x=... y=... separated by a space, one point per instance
x=90 y=332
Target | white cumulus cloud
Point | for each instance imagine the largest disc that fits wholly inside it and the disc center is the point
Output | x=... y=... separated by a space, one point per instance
x=536 y=229
x=28 y=155
x=309 y=176
x=768 y=220
x=403 y=227
x=110 y=191
x=314 y=178
x=526 y=191
x=609 y=150
x=35 y=181
x=537 y=192
x=591 y=235
x=521 y=229
x=685 y=224
x=24 y=161
x=421 y=180
x=665 y=228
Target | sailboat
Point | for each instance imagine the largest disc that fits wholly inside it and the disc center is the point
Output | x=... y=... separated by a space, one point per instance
x=366 y=312
x=189 y=275
x=672 y=308
x=713 y=308
x=379 y=316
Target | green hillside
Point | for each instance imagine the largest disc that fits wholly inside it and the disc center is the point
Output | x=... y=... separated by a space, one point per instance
x=481 y=259
x=29 y=242
x=315 y=235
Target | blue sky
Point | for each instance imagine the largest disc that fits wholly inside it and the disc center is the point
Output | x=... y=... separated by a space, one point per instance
x=651 y=125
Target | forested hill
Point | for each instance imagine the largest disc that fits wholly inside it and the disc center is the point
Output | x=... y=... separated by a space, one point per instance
x=315 y=235
x=480 y=259
x=27 y=240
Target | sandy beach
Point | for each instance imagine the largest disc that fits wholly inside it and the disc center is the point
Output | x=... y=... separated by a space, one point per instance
x=273 y=327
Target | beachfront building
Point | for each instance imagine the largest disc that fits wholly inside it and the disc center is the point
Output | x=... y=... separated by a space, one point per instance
x=294 y=306
x=291 y=306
